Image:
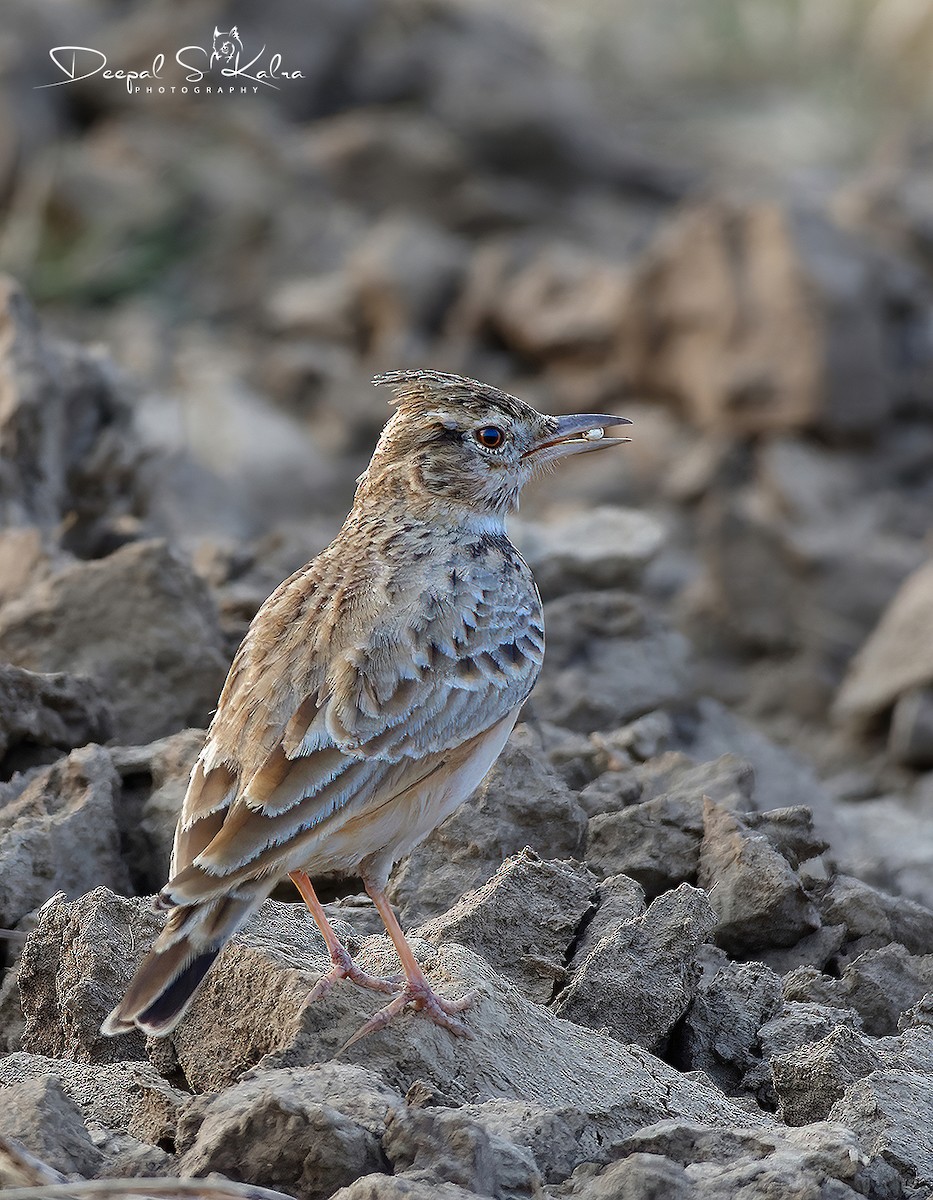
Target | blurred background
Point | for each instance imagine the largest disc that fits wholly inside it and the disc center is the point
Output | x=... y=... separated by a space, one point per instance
x=714 y=217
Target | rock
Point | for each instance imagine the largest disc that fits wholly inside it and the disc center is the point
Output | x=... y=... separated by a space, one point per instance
x=656 y=842
x=872 y=918
x=75 y=965
x=522 y=921
x=38 y=1114
x=154 y=779
x=635 y=1177
x=394 y=1187
x=610 y=792
x=140 y=623
x=889 y=1112
x=911 y=738
x=608 y=661
x=114 y=1098
x=437 y=1146
x=781 y=779
x=24 y=559
x=249 y=1011
x=757 y=319
x=382 y=159
x=308 y=1132
x=405 y=275
x=790 y=831
x=619 y=900
x=522 y=803
x=58 y=833
x=815 y=950
x=803 y=1024
x=896 y=658
x=42 y=714
x=811 y=1079
x=559 y=302
x=879 y=985
x=719 y=1032
x=65 y=431
x=888 y=843
x=605 y=547
x=757 y=896
x=823 y=1159
x=558 y=1139
x=638 y=980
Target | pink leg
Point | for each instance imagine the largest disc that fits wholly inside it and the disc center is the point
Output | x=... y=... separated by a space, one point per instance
x=344 y=967
x=417 y=990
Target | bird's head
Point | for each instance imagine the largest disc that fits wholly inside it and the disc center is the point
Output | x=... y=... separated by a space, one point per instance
x=464 y=443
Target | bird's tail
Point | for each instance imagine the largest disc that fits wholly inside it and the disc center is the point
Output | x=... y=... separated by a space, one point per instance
x=167 y=979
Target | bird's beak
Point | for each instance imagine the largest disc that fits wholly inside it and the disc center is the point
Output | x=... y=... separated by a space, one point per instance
x=576 y=435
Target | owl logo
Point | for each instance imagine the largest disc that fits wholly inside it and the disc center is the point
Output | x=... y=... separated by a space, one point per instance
x=226 y=48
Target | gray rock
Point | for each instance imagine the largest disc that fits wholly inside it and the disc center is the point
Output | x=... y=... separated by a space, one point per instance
x=896 y=658
x=638 y=979
x=75 y=965
x=911 y=738
x=610 y=792
x=58 y=832
x=608 y=661
x=719 y=1032
x=309 y=1132
x=619 y=900
x=140 y=622
x=879 y=985
x=558 y=1139
x=65 y=431
x=637 y=1177
x=522 y=921
x=656 y=842
x=890 y=1113
x=811 y=1079
x=758 y=897
x=437 y=1146
x=872 y=918
x=605 y=547
x=39 y=1114
x=522 y=803
x=819 y=1160
x=394 y=1187
x=111 y=1096
x=790 y=831
x=816 y=950
x=154 y=778
x=803 y=1024
x=250 y=1011
x=44 y=714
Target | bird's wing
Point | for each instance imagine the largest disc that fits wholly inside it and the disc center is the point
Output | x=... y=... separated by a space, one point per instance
x=355 y=719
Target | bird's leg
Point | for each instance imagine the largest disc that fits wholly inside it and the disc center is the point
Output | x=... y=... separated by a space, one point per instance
x=417 y=990
x=344 y=967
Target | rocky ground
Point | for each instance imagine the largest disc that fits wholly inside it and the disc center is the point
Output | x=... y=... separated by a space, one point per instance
x=695 y=896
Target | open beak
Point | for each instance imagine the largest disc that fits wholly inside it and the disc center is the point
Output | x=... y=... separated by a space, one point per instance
x=577 y=435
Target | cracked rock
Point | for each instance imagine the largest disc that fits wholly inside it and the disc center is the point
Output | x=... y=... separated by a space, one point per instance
x=44 y=715
x=523 y=802
x=139 y=622
x=309 y=1131
x=758 y=897
x=522 y=921
x=58 y=832
x=638 y=980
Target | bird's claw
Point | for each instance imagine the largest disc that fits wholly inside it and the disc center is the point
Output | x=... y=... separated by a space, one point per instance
x=424 y=999
x=345 y=968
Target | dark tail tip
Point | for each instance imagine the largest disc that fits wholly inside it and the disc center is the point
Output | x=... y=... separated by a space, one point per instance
x=159 y=997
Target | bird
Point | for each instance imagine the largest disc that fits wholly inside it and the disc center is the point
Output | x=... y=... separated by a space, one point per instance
x=371 y=694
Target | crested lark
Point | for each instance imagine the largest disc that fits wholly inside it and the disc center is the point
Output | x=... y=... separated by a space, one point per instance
x=373 y=691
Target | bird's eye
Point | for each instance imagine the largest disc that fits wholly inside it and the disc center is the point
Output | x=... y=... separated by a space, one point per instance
x=490 y=436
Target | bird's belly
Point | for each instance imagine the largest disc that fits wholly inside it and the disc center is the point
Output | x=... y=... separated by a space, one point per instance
x=388 y=832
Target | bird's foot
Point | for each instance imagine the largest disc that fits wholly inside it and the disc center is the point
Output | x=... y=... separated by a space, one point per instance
x=420 y=994
x=345 y=968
